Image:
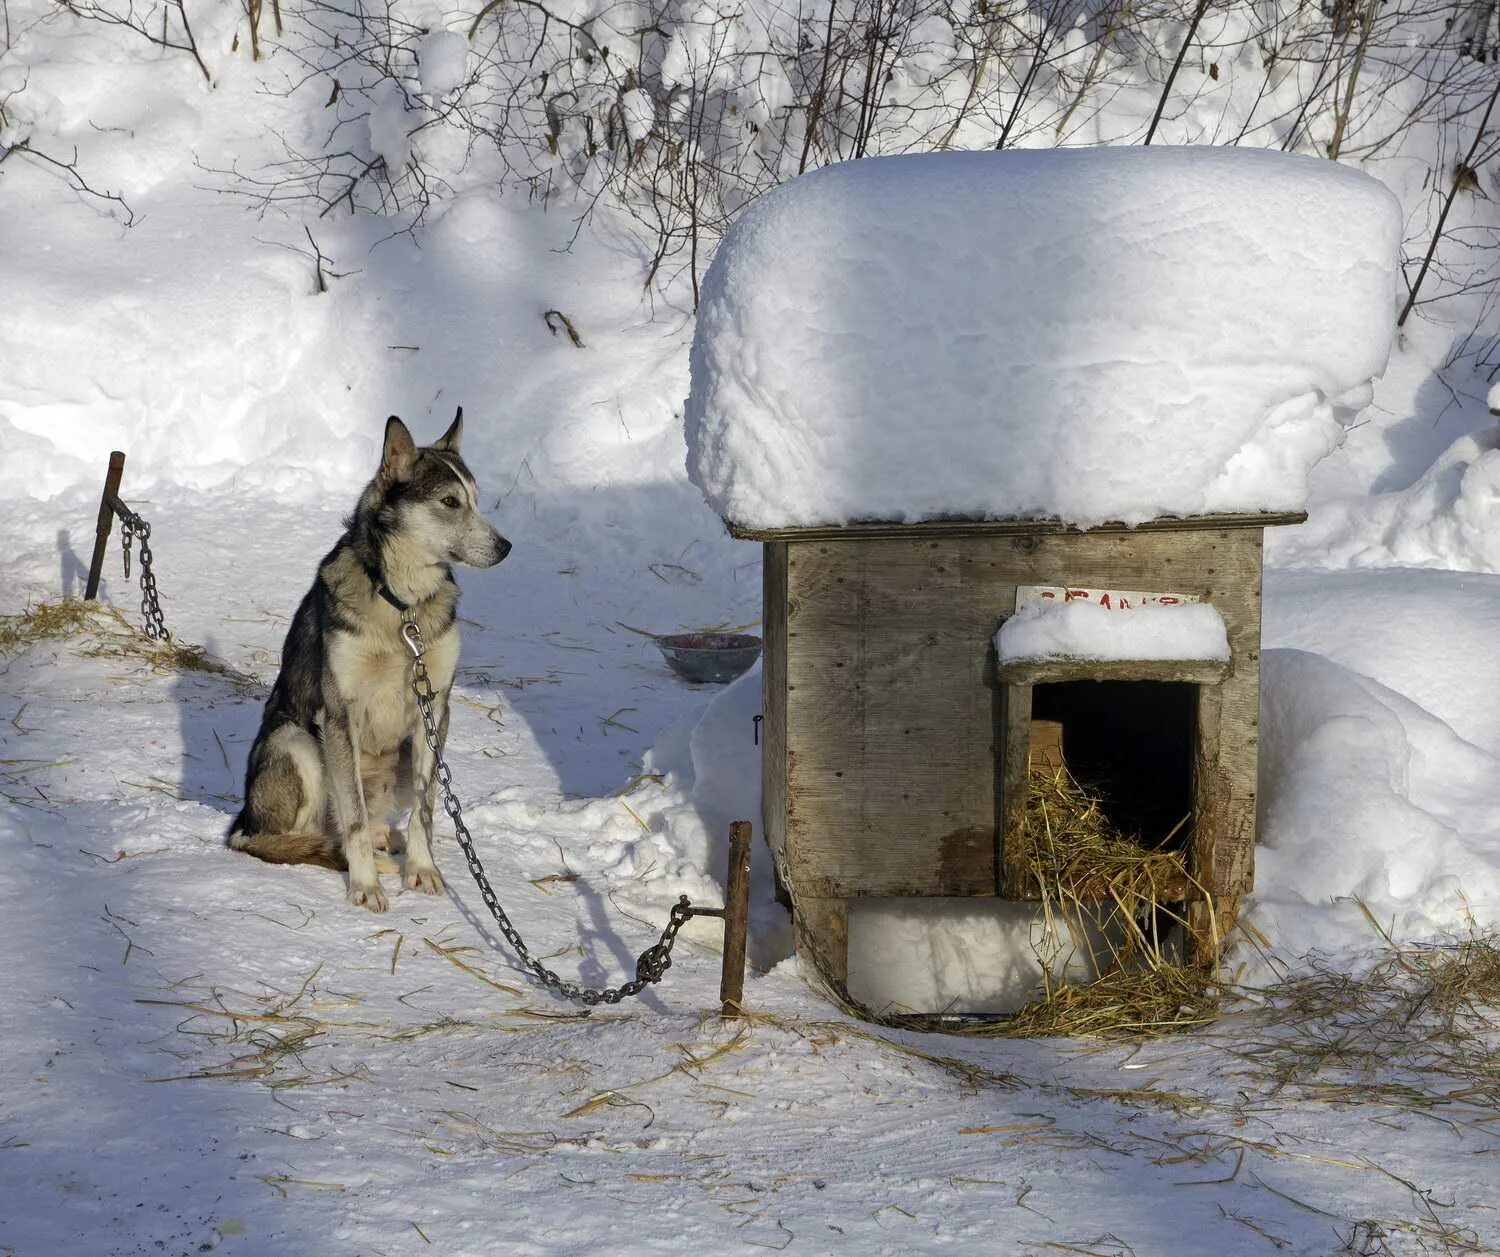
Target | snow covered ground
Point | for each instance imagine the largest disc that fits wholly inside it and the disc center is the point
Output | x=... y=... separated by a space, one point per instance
x=202 y=1053
x=208 y=1054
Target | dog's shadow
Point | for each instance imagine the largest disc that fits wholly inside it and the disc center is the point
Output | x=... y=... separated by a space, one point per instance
x=73 y=571
x=217 y=722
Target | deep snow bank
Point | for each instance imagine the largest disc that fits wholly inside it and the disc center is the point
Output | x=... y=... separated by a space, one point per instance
x=1364 y=794
x=1092 y=334
x=215 y=348
x=1430 y=636
x=1447 y=517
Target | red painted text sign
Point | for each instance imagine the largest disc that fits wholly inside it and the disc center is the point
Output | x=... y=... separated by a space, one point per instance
x=1110 y=599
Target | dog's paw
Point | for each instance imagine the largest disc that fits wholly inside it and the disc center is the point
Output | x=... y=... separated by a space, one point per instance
x=371 y=897
x=424 y=878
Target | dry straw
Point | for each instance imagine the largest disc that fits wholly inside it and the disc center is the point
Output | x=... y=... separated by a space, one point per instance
x=1071 y=849
x=1427 y=1012
x=105 y=633
x=1122 y=901
x=1415 y=1028
x=53 y=619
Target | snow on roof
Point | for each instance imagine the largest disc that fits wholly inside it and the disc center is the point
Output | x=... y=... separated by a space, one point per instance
x=1092 y=335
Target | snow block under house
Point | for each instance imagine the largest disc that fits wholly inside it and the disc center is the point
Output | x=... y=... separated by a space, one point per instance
x=1066 y=388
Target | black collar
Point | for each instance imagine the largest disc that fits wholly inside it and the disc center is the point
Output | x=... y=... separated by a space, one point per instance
x=391 y=598
x=383 y=590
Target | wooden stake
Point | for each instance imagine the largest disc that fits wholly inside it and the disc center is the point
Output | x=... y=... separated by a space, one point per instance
x=106 y=521
x=736 y=919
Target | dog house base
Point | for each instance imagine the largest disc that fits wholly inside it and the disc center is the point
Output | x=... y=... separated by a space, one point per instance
x=895 y=749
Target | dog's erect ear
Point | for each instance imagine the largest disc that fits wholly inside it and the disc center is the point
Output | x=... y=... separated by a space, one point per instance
x=400 y=451
x=450 y=439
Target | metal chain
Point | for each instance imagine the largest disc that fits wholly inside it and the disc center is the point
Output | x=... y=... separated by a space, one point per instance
x=132 y=525
x=652 y=963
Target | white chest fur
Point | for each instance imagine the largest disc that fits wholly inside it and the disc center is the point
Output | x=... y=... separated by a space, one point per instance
x=374 y=679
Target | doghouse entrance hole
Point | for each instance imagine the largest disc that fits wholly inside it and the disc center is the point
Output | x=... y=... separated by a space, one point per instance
x=1132 y=743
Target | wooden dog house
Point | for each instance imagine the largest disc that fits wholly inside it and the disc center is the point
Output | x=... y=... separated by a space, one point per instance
x=896 y=745
x=968 y=341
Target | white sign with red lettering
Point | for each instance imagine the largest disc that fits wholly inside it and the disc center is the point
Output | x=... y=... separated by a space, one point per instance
x=1109 y=599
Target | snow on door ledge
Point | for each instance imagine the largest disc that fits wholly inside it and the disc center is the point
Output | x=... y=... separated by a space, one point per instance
x=1061 y=622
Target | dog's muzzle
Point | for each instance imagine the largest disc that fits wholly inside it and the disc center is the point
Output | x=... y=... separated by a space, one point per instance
x=481 y=551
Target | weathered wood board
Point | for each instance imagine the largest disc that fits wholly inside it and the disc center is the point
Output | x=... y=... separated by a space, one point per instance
x=1040 y=671
x=1044 y=746
x=773 y=753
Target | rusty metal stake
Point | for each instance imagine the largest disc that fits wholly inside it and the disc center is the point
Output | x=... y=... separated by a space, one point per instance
x=736 y=919
x=106 y=521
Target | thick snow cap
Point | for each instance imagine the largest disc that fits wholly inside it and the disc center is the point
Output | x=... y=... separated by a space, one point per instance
x=1091 y=335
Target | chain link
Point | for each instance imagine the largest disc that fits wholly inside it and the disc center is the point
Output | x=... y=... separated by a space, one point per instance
x=652 y=963
x=133 y=526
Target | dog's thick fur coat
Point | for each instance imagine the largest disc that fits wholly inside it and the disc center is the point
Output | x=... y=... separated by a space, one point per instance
x=323 y=783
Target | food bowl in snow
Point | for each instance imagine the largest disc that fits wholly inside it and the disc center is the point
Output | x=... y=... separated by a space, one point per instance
x=716 y=657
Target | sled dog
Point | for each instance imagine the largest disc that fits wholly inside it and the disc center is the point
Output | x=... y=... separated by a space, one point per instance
x=322 y=782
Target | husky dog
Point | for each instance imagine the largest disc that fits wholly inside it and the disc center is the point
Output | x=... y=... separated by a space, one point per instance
x=321 y=786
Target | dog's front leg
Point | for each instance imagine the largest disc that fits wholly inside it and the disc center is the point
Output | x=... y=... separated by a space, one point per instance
x=421 y=872
x=341 y=755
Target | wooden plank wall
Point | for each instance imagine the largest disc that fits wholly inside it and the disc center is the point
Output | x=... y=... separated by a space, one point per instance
x=773 y=751
x=884 y=716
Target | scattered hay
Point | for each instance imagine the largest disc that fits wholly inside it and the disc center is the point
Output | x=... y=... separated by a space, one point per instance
x=1159 y=999
x=1461 y=981
x=109 y=635
x=67 y=618
x=185 y=657
x=450 y=954
x=1419 y=1030
x=690 y=1063
x=280 y=1183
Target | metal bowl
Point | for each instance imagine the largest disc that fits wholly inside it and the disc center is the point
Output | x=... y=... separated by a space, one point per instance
x=713 y=657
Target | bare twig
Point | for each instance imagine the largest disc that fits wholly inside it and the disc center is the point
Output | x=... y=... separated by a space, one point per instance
x=1166 y=88
x=557 y=321
x=1453 y=191
x=69 y=168
x=142 y=25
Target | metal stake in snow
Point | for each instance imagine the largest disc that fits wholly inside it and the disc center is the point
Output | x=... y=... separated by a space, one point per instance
x=132 y=527
x=654 y=962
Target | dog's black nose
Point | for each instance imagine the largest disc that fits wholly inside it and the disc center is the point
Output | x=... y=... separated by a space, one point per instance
x=502 y=548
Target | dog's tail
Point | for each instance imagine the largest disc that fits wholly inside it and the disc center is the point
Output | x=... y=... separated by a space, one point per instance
x=320 y=849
